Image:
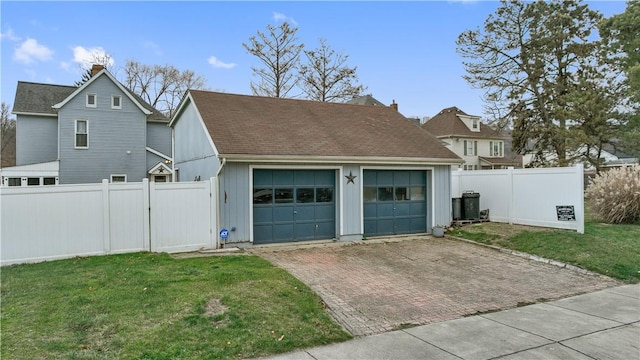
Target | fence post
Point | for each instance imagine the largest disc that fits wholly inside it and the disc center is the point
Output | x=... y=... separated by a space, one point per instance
x=106 y=217
x=213 y=206
x=146 y=217
x=152 y=203
x=580 y=203
x=512 y=195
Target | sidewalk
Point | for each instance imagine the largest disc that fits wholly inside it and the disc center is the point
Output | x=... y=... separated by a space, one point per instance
x=599 y=325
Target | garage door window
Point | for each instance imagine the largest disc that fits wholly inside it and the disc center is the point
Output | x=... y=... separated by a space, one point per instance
x=417 y=193
x=262 y=196
x=305 y=195
x=324 y=195
x=284 y=196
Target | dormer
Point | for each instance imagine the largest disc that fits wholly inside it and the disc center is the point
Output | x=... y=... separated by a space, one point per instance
x=472 y=122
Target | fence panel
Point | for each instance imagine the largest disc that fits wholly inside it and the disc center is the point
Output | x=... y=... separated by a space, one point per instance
x=527 y=196
x=128 y=217
x=40 y=223
x=182 y=216
x=46 y=223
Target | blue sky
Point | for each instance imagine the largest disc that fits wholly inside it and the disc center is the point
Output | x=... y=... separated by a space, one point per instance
x=403 y=51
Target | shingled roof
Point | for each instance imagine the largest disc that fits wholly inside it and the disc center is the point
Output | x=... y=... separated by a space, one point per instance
x=37 y=98
x=252 y=125
x=447 y=123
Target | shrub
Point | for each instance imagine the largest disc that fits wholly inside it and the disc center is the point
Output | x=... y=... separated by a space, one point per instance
x=614 y=195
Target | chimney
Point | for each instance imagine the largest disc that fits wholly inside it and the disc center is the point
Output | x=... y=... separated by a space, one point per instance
x=394 y=105
x=96 y=69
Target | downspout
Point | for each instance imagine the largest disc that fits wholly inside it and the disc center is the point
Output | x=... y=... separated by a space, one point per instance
x=222 y=163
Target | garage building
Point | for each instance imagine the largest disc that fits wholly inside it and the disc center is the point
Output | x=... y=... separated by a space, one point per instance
x=296 y=170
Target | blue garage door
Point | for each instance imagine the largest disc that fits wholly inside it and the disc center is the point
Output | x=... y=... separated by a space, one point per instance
x=394 y=202
x=293 y=205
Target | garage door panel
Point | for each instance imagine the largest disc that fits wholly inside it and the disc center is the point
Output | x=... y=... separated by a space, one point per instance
x=262 y=215
x=398 y=205
x=305 y=213
x=283 y=232
x=294 y=204
x=283 y=214
x=325 y=212
x=402 y=209
x=418 y=209
x=262 y=233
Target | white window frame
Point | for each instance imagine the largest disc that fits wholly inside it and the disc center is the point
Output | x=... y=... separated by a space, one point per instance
x=113 y=98
x=95 y=100
x=474 y=124
x=496 y=148
x=470 y=145
x=75 y=134
x=117 y=175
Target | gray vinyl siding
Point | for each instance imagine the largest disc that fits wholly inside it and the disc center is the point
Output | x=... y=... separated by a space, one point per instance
x=235 y=202
x=152 y=160
x=351 y=203
x=36 y=139
x=159 y=137
x=442 y=196
x=117 y=137
x=193 y=154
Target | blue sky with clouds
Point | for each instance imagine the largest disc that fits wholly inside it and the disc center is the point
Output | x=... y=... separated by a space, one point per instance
x=404 y=51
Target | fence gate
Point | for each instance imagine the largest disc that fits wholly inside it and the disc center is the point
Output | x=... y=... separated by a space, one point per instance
x=182 y=216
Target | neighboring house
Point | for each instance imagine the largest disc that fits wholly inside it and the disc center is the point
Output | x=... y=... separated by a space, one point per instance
x=371 y=101
x=610 y=158
x=100 y=130
x=294 y=170
x=480 y=146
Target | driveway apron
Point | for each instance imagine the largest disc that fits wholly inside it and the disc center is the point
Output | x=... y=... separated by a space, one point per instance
x=379 y=286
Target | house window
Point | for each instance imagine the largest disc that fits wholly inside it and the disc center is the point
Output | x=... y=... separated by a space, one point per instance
x=82 y=134
x=160 y=178
x=475 y=123
x=496 y=148
x=470 y=147
x=118 y=178
x=471 y=167
x=91 y=100
x=116 y=102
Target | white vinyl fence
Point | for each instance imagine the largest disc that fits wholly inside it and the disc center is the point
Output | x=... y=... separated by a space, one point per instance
x=548 y=197
x=54 y=222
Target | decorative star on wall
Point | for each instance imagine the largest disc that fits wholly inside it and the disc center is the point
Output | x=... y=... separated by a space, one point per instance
x=350 y=177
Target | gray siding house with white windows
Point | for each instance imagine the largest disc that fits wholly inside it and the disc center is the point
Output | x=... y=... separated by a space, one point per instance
x=100 y=130
x=294 y=170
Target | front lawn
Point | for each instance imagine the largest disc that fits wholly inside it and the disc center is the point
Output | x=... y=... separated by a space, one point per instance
x=612 y=250
x=152 y=306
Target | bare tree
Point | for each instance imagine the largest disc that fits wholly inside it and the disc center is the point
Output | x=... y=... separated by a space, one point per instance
x=104 y=60
x=7 y=137
x=162 y=86
x=326 y=77
x=279 y=52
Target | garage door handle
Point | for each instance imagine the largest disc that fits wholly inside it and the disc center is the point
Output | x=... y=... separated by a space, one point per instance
x=295 y=211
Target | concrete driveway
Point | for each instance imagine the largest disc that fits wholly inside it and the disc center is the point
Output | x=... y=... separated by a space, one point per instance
x=376 y=286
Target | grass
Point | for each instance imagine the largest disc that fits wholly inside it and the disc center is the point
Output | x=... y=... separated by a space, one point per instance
x=612 y=250
x=152 y=306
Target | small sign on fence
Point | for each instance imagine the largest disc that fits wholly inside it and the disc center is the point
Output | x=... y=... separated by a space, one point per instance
x=224 y=234
x=565 y=213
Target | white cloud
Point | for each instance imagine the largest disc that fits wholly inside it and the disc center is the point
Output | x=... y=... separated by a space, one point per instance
x=30 y=51
x=89 y=56
x=282 y=17
x=213 y=61
x=9 y=35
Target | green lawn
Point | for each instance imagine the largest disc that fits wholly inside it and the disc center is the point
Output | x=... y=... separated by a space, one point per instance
x=612 y=250
x=152 y=306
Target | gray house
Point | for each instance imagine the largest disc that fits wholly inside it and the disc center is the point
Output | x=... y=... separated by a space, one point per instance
x=295 y=170
x=100 y=130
